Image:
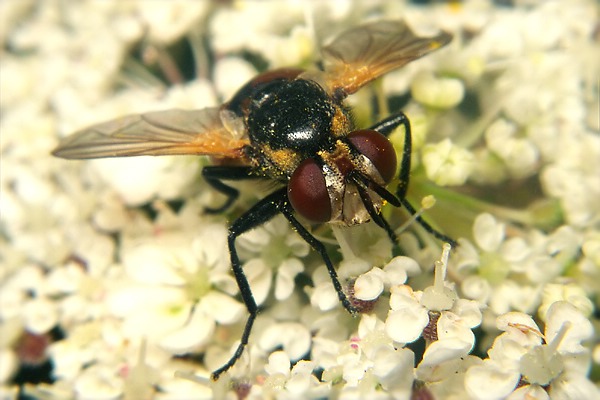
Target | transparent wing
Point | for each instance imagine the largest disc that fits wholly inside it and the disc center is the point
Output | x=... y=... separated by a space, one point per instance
x=361 y=54
x=170 y=132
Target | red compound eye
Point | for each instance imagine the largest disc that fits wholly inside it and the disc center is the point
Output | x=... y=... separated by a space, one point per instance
x=376 y=148
x=307 y=192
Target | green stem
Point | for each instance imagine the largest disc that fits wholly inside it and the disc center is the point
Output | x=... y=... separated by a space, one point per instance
x=453 y=208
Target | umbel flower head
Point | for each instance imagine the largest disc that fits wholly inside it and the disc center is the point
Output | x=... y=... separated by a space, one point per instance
x=528 y=363
x=114 y=283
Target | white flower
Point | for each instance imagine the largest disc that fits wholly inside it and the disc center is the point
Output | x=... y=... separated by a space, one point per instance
x=370 y=365
x=293 y=337
x=446 y=163
x=266 y=29
x=141 y=378
x=555 y=361
x=573 y=178
x=364 y=284
x=80 y=255
x=501 y=261
x=437 y=92
x=98 y=382
x=370 y=285
x=570 y=293
x=231 y=73
x=174 y=299
x=407 y=317
x=9 y=364
x=437 y=314
x=285 y=381
x=40 y=315
x=519 y=155
x=323 y=295
x=169 y=21
x=274 y=247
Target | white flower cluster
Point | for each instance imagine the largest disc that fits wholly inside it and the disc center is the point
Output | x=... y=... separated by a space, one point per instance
x=114 y=284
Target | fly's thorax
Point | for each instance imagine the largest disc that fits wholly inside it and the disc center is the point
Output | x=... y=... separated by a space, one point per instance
x=294 y=121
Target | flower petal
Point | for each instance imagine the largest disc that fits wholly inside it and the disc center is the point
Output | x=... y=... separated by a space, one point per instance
x=369 y=286
x=581 y=328
x=399 y=268
x=260 y=277
x=195 y=333
x=407 y=324
x=279 y=363
x=222 y=308
x=40 y=315
x=444 y=350
x=293 y=337
x=284 y=281
x=486 y=382
x=488 y=232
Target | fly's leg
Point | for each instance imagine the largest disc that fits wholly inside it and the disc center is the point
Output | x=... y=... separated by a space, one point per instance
x=263 y=211
x=434 y=232
x=362 y=184
x=215 y=175
x=287 y=211
x=259 y=214
x=386 y=127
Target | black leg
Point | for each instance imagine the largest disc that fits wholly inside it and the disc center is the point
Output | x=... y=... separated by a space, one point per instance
x=362 y=184
x=215 y=174
x=264 y=210
x=259 y=214
x=285 y=208
x=428 y=227
x=373 y=213
x=359 y=179
x=386 y=127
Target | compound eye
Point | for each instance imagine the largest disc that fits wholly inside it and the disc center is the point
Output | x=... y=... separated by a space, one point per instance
x=308 y=193
x=376 y=148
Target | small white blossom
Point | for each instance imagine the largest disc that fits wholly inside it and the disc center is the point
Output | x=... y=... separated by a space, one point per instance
x=291 y=382
x=40 y=315
x=231 y=74
x=172 y=299
x=447 y=164
x=272 y=249
x=98 y=383
x=511 y=102
x=293 y=337
x=570 y=293
x=170 y=21
x=558 y=363
x=371 y=284
x=369 y=363
x=9 y=364
x=437 y=92
x=322 y=295
x=500 y=261
x=407 y=317
x=451 y=319
x=519 y=155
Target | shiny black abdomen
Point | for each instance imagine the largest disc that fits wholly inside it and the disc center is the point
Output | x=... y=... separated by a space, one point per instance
x=296 y=115
x=282 y=111
x=260 y=87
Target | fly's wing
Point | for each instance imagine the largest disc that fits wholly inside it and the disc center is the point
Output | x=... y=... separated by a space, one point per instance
x=362 y=54
x=171 y=132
